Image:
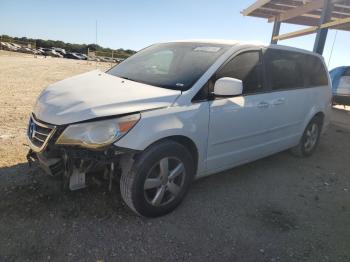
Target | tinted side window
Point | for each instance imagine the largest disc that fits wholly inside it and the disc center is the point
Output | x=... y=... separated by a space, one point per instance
x=347 y=72
x=314 y=71
x=284 y=69
x=246 y=67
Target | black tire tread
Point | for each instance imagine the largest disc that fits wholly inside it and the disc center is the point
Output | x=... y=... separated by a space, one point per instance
x=127 y=180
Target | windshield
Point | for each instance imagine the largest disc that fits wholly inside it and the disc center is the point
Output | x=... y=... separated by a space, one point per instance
x=171 y=65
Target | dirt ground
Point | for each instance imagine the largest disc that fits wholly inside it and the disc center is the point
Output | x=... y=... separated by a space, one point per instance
x=280 y=208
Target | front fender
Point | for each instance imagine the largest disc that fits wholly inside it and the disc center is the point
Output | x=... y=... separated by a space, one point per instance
x=189 y=121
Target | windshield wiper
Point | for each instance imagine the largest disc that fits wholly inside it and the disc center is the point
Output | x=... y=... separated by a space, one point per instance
x=152 y=84
x=126 y=78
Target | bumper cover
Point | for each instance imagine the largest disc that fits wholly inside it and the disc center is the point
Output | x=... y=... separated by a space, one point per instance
x=342 y=99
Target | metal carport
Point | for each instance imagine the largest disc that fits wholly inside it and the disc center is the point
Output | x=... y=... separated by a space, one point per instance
x=318 y=15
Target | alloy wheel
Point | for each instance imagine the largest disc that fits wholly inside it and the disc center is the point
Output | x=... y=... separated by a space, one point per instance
x=164 y=181
x=311 y=137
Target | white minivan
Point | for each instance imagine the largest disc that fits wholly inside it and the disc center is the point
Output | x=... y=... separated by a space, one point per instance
x=177 y=111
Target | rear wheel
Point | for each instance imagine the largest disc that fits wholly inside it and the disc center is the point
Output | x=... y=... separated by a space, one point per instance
x=310 y=138
x=159 y=179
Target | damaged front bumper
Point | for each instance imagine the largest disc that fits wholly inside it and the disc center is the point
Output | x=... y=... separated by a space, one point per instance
x=73 y=163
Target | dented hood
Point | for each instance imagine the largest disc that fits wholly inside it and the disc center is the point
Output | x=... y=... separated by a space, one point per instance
x=97 y=94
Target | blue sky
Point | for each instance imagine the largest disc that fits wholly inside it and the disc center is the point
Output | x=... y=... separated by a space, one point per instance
x=136 y=24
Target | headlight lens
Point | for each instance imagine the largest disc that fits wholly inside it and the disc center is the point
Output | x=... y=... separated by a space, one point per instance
x=97 y=134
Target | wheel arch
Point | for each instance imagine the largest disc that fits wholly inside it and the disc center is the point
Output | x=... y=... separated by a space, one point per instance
x=314 y=113
x=187 y=142
x=320 y=115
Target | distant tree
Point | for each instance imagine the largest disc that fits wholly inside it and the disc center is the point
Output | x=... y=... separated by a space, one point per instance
x=129 y=51
x=93 y=47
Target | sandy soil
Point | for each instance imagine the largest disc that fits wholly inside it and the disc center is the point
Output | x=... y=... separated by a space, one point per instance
x=280 y=208
x=22 y=78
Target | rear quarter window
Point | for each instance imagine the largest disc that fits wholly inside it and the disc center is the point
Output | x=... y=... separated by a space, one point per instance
x=292 y=70
x=314 y=71
x=284 y=69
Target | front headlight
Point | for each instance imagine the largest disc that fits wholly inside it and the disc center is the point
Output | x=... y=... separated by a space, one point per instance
x=97 y=134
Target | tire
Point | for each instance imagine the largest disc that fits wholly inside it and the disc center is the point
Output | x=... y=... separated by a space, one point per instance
x=158 y=179
x=310 y=139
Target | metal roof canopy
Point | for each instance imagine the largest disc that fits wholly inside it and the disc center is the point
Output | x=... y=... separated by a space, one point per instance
x=318 y=15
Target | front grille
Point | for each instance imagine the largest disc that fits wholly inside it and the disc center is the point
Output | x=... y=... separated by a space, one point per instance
x=39 y=134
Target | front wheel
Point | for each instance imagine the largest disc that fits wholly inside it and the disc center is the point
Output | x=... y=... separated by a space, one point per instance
x=159 y=179
x=310 y=138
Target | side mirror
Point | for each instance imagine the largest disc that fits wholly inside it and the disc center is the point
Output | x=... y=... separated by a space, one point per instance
x=228 y=86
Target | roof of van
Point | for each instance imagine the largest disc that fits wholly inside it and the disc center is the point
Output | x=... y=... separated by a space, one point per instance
x=237 y=42
x=220 y=41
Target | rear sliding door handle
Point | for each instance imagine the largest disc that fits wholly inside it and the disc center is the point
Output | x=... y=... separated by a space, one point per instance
x=279 y=101
x=263 y=105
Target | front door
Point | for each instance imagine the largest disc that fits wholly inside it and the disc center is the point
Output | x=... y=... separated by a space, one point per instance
x=239 y=126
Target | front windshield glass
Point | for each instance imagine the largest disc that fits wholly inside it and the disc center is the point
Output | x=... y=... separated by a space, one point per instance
x=171 y=65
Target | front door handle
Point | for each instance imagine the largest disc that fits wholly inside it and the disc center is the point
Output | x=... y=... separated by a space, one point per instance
x=279 y=101
x=263 y=105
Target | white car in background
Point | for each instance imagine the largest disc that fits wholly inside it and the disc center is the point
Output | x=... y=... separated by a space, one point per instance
x=178 y=111
x=341 y=85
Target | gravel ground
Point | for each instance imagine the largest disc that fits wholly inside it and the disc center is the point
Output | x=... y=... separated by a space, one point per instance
x=280 y=208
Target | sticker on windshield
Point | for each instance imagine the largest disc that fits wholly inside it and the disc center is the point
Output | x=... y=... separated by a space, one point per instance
x=212 y=49
x=180 y=84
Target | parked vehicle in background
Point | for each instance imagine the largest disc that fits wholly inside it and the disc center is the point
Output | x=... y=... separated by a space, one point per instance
x=83 y=56
x=26 y=50
x=75 y=56
x=178 y=111
x=9 y=46
x=54 y=53
x=15 y=46
x=107 y=59
x=94 y=58
x=4 y=46
x=341 y=85
x=44 y=51
x=72 y=56
x=60 y=51
x=50 y=52
x=39 y=51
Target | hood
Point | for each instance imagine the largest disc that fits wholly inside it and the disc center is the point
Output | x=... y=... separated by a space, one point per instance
x=97 y=94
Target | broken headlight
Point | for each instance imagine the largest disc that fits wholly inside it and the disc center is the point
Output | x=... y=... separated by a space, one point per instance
x=97 y=134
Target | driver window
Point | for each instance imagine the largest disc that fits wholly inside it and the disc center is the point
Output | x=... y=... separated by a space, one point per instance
x=247 y=67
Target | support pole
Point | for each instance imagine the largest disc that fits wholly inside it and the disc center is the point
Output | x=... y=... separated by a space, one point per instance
x=321 y=35
x=275 y=31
